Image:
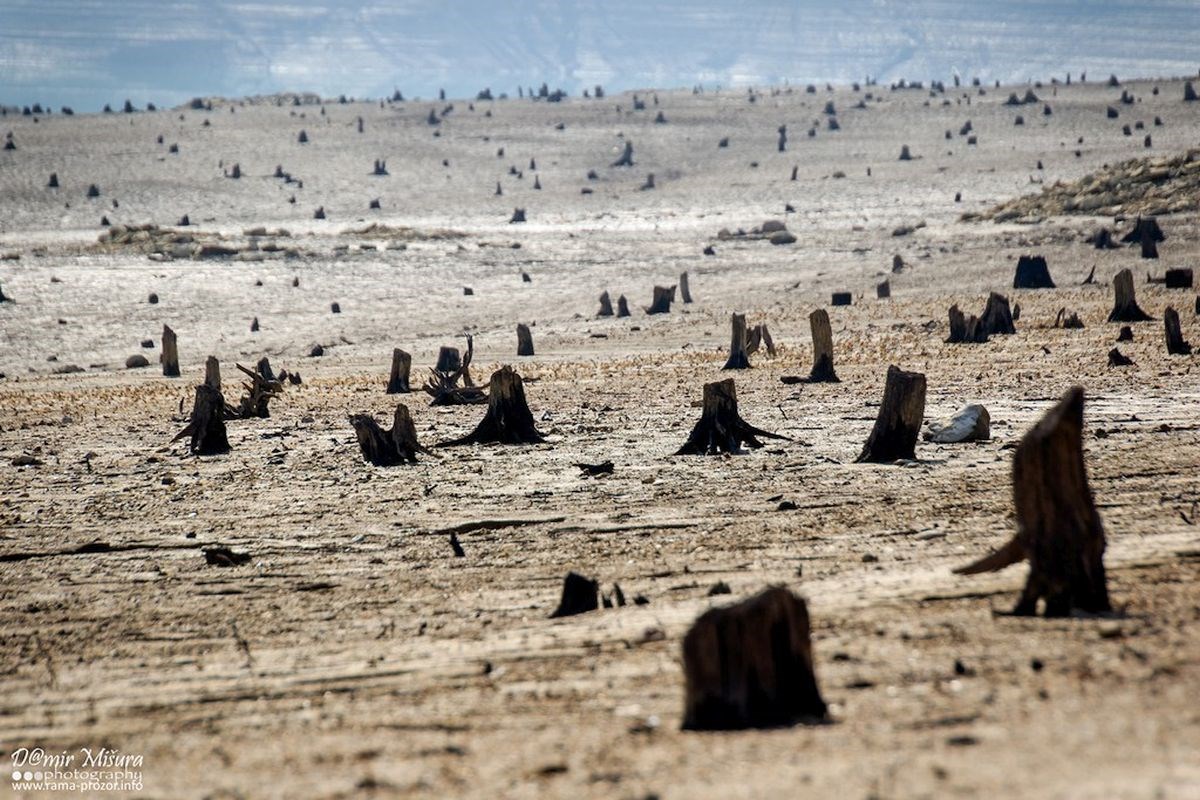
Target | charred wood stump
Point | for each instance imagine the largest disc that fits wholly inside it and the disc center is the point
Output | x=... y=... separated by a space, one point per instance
x=997 y=316
x=388 y=448
x=622 y=307
x=1067 y=320
x=1176 y=345
x=448 y=360
x=401 y=367
x=579 y=596
x=685 y=294
x=1032 y=273
x=898 y=425
x=1126 y=334
x=508 y=419
x=442 y=384
x=170 y=353
x=750 y=665
x=663 y=297
x=1091 y=278
x=1149 y=248
x=841 y=299
x=206 y=431
x=212 y=372
x=1102 y=240
x=1144 y=228
x=259 y=393
x=606 y=309
x=264 y=368
x=524 y=341
x=965 y=328
x=1058 y=528
x=822 y=339
x=883 y=290
x=738 y=357
x=1125 y=307
x=721 y=429
x=758 y=335
x=1180 y=278
x=1118 y=359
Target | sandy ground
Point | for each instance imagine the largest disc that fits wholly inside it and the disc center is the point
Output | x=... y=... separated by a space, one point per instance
x=355 y=656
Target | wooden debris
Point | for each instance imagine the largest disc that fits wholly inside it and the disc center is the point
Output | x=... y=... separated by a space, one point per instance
x=1058 y=528
x=508 y=419
x=388 y=448
x=750 y=665
x=259 y=392
x=721 y=429
x=1179 y=278
x=896 y=428
x=442 y=384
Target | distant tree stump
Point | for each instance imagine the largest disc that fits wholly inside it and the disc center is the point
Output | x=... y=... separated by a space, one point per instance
x=388 y=448
x=1125 y=307
x=1144 y=228
x=822 y=339
x=1032 y=273
x=170 y=353
x=1149 y=248
x=965 y=328
x=1176 y=345
x=606 y=309
x=663 y=297
x=259 y=393
x=1179 y=278
x=750 y=665
x=622 y=307
x=1058 y=527
x=442 y=383
x=518 y=215
x=685 y=294
x=841 y=299
x=579 y=596
x=508 y=419
x=738 y=358
x=448 y=359
x=997 y=316
x=1118 y=359
x=721 y=429
x=206 y=431
x=883 y=290
x=264 y=368
x=212 y=373
x=524 y=341
x=899 y=422
x=626 y=159
x=401 y=367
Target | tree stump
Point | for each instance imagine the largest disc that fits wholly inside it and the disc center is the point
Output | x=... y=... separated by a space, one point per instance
x=579 y=595
x=622 y=307
x=721 y=429
x=1125 y=307
x=518 y=215
x=606 y=309
x=841 y=299
x=388 y=448
x=1118 y=359
x=883 y=290
x=401 y=367
x=1180 y=278
x=1058 y=527
x=750 y=665
x=965 y=328
x=765 y=335
x=524 y=341
x=170 y=354
x=1067 y=320
x=738 y=358
x=1176 y=345
x=212 y=373
x=1149 y=248
x=508 y=419
x=899 y=422
x=448 y=360
x=822 y=339
x=259 y=393
x=206 y=431
x=626 y=159
x=997 y=316
x=1144 y=228
x=1032 y=273
x=663 y=297
x=686 y=295
x=442 y=383
x=264 y=368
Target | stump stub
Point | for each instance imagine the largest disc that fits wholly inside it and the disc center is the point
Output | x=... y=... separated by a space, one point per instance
x=508 y=419
x=750 y=665
x=1176 y=345
x=606 y=309
x=579 y=595
x=997 y=316
x=1125 y=307
x=738 y=357
x=401 y=368
x=896 y=428
x=206 y=431
x=1032 y=273
x=1058 y=528
x=170 y=353
x=388 y=448
x=721 y=429
x=524 y=340
x=822 y=338
x=663 y=297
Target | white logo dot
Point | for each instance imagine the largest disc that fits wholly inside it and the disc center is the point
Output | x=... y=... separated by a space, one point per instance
x=28 y=775
x=16 y=774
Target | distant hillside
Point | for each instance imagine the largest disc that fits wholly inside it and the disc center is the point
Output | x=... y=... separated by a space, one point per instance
x=85 y=53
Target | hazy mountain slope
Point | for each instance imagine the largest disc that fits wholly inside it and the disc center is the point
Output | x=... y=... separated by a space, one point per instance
x=85 y=52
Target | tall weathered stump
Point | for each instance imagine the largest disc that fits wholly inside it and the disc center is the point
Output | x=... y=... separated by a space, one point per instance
x=401 y=370
x=170 y=353
x=1125 y=307
x=899 y=422
x=738 y=359
x=822 y=338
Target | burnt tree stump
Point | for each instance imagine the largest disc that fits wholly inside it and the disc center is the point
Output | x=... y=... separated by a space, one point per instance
x=508 y=419
x=899 y=422
x=721 y=429
x=212 y=372
x=841 y=299
x=442 y=384
x=822 y=338
x=170 y=353
x=1179 y=278
x=883 y=290
x=579 y=596
x=685 y=294
x=663 y=297
x=606 y=309
x=1149 y=248
x=1125 y=307
x=738 y=357
x=1032 y=273
x=750 y=665
x=401 y=367
x=1058 y=528
x=1176 y=345
x=206 y=431
x=965 y=328
x=1144 y=228
x=388 y=448
x=524 y=341
x=264 y=368
x=448 y=360
x=997 y=316
x=622 y=307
